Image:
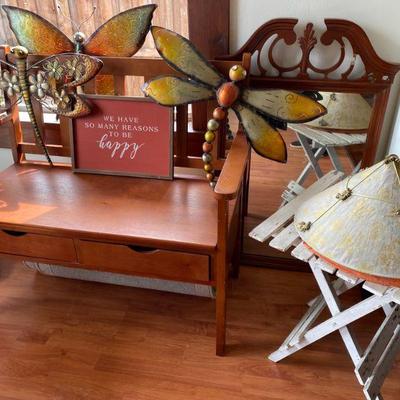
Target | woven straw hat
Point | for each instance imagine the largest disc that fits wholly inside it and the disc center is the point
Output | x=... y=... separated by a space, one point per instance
x=355 y=224
x=346 y=112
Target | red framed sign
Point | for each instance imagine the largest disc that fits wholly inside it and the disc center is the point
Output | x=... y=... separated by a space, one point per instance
x=130 y=136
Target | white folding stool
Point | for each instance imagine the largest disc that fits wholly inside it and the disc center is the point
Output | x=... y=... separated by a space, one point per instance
x=324 y=142
x=372 y=365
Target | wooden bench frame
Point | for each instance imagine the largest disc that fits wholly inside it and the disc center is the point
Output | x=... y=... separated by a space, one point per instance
x=229 y=195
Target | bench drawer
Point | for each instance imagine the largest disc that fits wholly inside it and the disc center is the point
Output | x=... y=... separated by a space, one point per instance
x=39 y=246
x=136 y=260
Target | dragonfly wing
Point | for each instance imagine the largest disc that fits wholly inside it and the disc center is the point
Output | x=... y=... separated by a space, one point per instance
x=57 y=76
x=264 y=139
x=284 y=105
x=173 y=91
x=10 y=89
x=122 y=35
x=35 y=33
x=182 y=55
x=69 y=70
x=77 y=106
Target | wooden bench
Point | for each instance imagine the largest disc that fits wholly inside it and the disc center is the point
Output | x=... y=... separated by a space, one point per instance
x=176 y=230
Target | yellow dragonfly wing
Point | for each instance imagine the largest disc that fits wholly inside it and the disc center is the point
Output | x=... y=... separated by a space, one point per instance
x=284 y=105
x=264 y=139
x=173 y=91
x=183 y=56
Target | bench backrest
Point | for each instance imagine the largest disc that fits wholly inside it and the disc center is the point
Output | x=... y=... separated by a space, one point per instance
x=122 y=76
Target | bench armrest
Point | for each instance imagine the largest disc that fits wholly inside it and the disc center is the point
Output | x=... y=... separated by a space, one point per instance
x=230 y=179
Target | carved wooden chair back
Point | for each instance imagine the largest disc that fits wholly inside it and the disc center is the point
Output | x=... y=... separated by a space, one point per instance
x=357 y=67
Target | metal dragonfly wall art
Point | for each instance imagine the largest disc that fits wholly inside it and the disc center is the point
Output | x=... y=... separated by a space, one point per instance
x=54 y=79
x=51 y=81
x=121 y=36
x=259 y=111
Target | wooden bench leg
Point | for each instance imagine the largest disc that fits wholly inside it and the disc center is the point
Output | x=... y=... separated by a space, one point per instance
x=221 y=310
x=221 y=269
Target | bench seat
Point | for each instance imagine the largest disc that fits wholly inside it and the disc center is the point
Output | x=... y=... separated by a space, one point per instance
x=169 y=214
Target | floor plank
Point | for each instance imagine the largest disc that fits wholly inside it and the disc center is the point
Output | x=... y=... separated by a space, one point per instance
x=65 y=339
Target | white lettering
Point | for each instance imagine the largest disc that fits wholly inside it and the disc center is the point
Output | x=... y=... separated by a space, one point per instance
x=119 y=149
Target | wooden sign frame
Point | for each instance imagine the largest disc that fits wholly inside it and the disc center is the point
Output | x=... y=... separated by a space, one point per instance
x=105 y=171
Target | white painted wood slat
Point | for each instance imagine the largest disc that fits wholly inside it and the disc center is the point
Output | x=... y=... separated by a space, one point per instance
x=375 y=288
x=396 y=296
x=263 y=231
x=325 y=266
x=316 y=135
x=302 y=252
x=373 y=386
x=295 y=187
x=377 y=346
x=286 y=238
x=328 y=138
x=347 y=277
x=351 y=138
x=336 y=140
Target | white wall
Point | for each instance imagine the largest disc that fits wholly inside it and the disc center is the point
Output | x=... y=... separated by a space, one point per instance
x=5 y=158
x=395 y=142
x=379 y=18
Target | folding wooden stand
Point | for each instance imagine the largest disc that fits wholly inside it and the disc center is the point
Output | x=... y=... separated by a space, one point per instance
x=324 y=142
x=372 y=365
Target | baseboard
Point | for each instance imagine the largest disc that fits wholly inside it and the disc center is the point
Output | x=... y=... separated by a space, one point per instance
x=257 y=260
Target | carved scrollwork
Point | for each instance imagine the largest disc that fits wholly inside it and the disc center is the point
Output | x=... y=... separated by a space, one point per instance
x=349 y=40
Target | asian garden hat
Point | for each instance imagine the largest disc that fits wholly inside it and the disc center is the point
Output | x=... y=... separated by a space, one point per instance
x=355 y=224
x=346 y=112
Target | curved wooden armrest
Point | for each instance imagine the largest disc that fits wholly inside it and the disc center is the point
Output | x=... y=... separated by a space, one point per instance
x=231 y=176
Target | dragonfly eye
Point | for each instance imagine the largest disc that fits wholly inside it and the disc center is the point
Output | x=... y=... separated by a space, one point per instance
x=237 y=73
x=20 y=51
x=79 y=37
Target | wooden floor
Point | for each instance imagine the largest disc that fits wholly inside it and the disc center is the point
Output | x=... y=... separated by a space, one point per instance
x=68 y=340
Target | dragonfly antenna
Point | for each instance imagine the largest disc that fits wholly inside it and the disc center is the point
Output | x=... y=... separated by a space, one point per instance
x=74 y=24
x=87 y=19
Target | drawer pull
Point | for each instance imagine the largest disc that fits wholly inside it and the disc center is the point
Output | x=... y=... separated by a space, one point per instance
x=14 y=233
x=142 y=249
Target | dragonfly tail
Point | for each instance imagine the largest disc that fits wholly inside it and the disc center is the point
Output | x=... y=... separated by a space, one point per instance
x=36 y=130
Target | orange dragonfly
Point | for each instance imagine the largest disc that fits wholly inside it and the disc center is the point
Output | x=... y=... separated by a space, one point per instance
x=121 y=36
